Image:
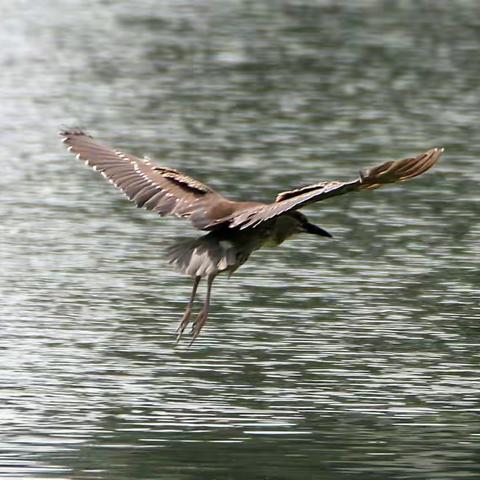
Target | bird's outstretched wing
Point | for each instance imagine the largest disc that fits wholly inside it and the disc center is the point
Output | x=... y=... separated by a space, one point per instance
x=388 y=172
x=163 y=190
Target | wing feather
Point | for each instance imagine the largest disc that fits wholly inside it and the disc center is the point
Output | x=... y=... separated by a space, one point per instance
x=388 y=172
x=164 y=190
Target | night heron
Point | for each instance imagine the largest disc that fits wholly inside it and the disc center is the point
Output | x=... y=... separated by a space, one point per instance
x=235 y=229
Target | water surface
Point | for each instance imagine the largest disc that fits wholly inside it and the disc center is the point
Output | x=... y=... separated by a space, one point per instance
x=346 y=359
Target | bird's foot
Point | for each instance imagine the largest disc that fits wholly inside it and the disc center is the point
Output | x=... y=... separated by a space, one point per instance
x=198 y=324
x=183 y=324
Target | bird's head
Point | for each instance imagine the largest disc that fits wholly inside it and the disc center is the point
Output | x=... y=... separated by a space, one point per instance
x=306 y=227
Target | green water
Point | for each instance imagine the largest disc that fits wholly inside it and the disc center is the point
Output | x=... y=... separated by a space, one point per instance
x=351 y=358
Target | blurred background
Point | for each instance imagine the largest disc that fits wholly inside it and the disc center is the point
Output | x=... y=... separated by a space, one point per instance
x=350 y=358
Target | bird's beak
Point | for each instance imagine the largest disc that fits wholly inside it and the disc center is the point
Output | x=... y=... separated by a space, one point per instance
x=316 y=230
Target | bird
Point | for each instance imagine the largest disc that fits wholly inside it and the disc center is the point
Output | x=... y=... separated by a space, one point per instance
x=233 y=230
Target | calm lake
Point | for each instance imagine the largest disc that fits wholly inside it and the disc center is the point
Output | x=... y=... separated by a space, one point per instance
x=351 y=358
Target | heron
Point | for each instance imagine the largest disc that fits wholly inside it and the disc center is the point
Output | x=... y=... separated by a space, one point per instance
x=234 y=229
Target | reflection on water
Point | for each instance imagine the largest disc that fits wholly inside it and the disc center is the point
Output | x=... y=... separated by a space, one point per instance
x=350 y=358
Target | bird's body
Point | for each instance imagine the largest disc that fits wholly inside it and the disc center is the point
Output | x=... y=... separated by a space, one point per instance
x=235 y=229
x=228 y=248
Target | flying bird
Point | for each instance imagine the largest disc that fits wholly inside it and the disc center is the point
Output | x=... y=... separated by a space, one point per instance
x=234 y=229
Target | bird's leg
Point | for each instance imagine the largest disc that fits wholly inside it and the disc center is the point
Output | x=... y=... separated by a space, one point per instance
x=188 y=310
x=203 y=315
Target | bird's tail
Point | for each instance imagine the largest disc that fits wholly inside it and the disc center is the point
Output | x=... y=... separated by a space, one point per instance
x=204 y=256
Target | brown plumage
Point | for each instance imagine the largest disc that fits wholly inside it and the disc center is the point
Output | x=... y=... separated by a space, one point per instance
x=235 y=229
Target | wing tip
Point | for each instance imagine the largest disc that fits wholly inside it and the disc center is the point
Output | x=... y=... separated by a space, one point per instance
x=68 y=132
x=433 y=156
x=436 y=150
